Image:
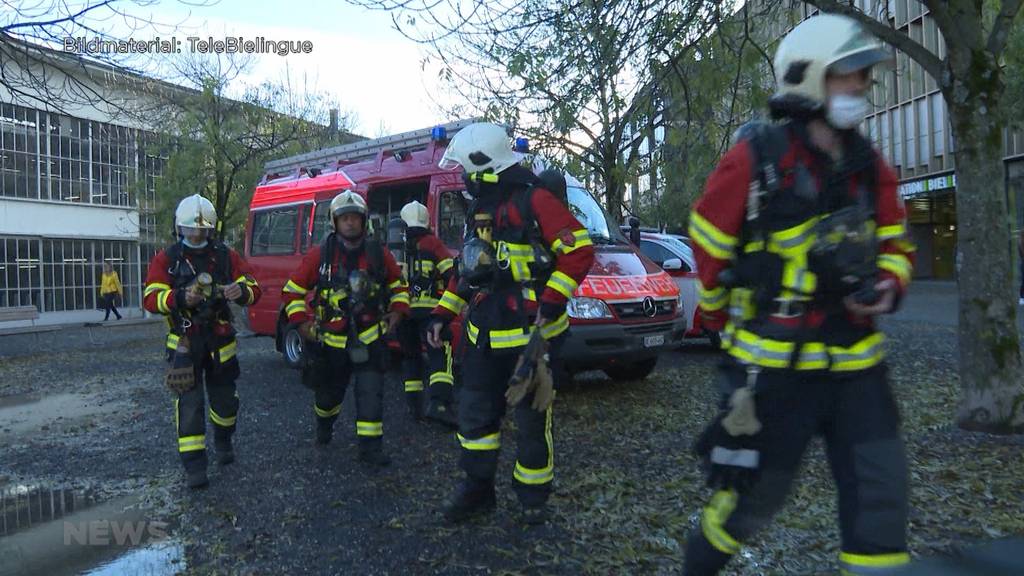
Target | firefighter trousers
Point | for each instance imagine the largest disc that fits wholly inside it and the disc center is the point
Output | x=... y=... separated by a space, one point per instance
x=190 y=417
x=368 y=393
x=857 y=417
x=481 y=408
x=437 y=369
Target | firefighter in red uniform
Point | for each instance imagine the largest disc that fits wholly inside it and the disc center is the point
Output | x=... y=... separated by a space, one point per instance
x=800 y=239
x=205 y=319
x=429 y=267
x=517 y=233
x=358 y=296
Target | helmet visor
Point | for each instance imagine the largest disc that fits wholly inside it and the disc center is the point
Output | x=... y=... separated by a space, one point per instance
x=861 y=60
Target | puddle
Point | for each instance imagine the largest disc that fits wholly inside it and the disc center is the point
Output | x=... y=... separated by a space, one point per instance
x=59 y=531
x=28 y=412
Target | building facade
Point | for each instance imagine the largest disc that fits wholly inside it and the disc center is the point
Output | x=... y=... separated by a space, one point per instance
x=76 y=190
x=910 y=125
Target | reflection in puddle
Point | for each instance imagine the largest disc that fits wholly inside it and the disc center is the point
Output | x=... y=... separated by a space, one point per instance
x=30 y=413
x=59 y=531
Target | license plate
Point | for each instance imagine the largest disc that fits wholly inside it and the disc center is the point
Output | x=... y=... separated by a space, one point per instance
x=651 y=341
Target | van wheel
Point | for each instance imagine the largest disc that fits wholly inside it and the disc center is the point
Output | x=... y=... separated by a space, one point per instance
x=635 y=371
x=291 y=346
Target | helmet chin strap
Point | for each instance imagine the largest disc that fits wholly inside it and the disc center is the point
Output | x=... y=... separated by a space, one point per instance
x=185 y=241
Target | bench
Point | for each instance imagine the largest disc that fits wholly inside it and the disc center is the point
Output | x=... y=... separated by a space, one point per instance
x=15 y=313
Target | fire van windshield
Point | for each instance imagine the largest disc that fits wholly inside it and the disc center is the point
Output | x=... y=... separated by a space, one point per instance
x=593 y=216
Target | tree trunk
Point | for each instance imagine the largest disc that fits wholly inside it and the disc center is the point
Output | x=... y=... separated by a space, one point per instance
x=991 y=373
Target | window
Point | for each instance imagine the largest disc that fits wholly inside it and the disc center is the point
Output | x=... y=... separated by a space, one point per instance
x=938 y=123
x=923 y=130
x=321 y=222
x=897 y=137
x=452 y=219
x=656 y=252
x=886 y=141
x=304 y=236
x=911 y=135
x=19 y=272
x=273 y=231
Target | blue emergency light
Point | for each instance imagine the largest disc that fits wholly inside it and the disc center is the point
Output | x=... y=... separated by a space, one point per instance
x=439 y=133
x=522 y=145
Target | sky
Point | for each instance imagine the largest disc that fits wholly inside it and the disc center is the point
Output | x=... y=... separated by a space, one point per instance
x=358 y=58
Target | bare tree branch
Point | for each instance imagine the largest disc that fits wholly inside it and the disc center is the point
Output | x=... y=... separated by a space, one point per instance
x=1002 y=26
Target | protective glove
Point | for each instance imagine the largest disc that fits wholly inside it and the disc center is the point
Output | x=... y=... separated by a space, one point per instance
x=731 y=445
x=181 y=376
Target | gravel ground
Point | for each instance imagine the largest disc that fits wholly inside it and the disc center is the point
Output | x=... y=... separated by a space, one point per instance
x=627 y=487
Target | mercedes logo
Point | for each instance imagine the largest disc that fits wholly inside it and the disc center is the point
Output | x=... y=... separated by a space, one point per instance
x=650 y=308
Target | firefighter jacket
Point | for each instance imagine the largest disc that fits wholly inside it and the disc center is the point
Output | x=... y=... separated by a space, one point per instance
x=323 y=276
x=174 y=269
x=430 y=267
x=796 y=316
x=524 y=226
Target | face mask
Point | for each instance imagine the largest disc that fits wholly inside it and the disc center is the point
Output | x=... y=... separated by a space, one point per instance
x=846 y=111
x=191 y=245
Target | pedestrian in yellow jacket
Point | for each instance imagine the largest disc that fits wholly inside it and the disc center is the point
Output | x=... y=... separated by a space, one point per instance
x=110 y=291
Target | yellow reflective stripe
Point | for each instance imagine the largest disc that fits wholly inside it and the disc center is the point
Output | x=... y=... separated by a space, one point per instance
x=294 y=288
x=372 y=333
x=399 y=298
x=452 y=302
x=488 y=442
x=154 y=287
x=365 y=428
x=221 y=420
x=713 y=299
x=582 y=238
x=864 y=354
x=192 y=443
x=529 y=294
x=172 y=341
x=905 y=245
x=424 y=266
x=396 y=284
x=555 y=327
x=798 y=278
x=161 y=301
x=716 y=513
x=328 y=412
x=227 y=351
x=793 y=239
x=441 y=378
x=898 y=264
x=413 y=385
x=425 y=302
x=535 y=476
x=756 y=246
x=872 y=563
x=509 y=338
x=711 y=239
x=562 y=283
x=472 y=332
x=750 y=348
x=889 y=232
x=520 y=269
x=512 y=250
x=445 y=265
x=334 y=340
x=295 y=307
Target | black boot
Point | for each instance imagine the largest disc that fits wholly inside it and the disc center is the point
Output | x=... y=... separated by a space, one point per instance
x=197 y=479
x=415 y=401
x=472 y=498
x=535 y=515
x=371 y=452
x=225 y=451
x=324 y=433
x=441 y=412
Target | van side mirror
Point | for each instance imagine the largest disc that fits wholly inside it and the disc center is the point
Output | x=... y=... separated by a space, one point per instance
x=634 y=230
x=672 y=264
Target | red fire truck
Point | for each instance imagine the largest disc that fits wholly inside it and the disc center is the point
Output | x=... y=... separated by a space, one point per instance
x=624 y=313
